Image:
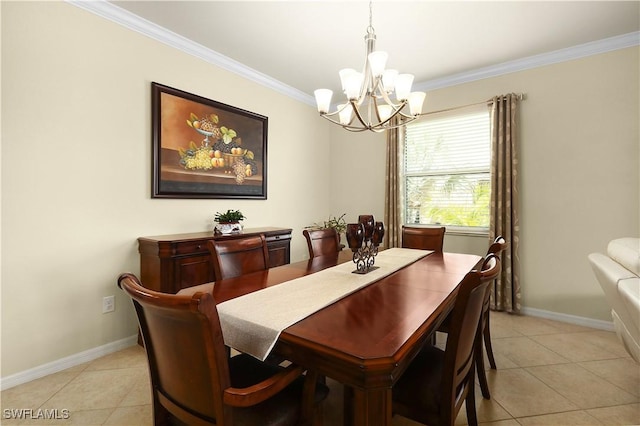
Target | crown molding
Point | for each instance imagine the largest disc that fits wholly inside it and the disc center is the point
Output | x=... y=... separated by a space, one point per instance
x=133 y=22
x=554 y=57
x=129 y=20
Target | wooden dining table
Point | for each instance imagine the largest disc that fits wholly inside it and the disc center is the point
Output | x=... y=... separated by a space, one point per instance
x=367 y=339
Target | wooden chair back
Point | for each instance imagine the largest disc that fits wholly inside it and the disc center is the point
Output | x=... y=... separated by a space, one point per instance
x=437 y=383
x=498 y=246
x=322 y=241
x=423 y=238
x=458 y=371
x=232 y=257
x=187 y=356
x=192 y=376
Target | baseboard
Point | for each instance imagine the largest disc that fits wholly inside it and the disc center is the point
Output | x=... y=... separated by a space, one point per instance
x=91 y=354
x=67 y=362
x=571 y=319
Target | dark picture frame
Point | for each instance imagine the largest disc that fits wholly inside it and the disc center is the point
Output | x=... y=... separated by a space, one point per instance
x=206 y=149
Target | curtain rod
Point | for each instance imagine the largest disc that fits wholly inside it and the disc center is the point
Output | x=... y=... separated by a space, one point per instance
x=520 y=96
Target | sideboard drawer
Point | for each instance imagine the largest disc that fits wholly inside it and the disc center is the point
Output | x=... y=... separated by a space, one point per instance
x=191 y=247
x=279 y=237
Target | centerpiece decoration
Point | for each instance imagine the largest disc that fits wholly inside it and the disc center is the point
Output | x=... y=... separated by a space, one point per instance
x=228 y=222
x=364 y=238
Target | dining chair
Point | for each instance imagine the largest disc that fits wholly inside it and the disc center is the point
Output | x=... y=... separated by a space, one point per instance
x=322 y=241
x=232 y=257
x=496 y=248
x=425 y=238
x=194 y=381
x=437 y=382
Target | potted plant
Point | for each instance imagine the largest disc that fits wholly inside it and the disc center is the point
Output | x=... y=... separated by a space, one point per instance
x=337 y=223
x=229 y=221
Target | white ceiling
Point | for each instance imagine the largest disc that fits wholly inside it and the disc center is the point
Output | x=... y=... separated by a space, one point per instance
x=304 y=44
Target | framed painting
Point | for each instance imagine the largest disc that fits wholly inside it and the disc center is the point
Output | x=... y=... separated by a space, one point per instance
x=206 y=149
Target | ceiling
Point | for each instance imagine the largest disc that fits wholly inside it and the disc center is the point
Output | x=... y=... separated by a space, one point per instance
x=304 y=44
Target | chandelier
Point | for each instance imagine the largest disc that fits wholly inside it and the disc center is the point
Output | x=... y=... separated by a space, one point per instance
x=369 y=104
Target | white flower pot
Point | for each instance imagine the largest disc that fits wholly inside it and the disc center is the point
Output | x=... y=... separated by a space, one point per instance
x=228 y=228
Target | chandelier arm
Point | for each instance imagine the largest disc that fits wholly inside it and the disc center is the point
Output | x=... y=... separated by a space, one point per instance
x=388 y=100
x=395 y=126
x=377 y=128
x=382 y=123
x=356 y=111
x=375 y=104
x=407 y=116
x=407 y=120
x=346 y=126
x=327 y=115
x=397 y=111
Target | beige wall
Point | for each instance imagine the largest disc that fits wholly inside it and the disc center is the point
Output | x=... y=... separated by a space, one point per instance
x=76 y=172
x=579 y=171
x=579 y=177
x=357 y=173
x=76 y=167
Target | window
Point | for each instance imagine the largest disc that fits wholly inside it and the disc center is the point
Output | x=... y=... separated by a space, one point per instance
x=446 y=173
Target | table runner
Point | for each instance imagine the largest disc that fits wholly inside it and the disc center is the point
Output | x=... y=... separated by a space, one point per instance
x=252 y=323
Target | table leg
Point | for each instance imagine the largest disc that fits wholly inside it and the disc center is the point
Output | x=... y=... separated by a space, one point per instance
x=367 y=408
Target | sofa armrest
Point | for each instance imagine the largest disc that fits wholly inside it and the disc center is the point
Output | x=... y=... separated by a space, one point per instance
x=609 y=273
x=626 y=251
x=629 y=290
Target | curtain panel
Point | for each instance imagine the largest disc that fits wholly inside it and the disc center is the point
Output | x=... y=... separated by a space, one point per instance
x=392 y=190
x=504 y=220
x=504 y=215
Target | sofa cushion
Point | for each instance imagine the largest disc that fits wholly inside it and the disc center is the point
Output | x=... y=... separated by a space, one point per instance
x=626 y=251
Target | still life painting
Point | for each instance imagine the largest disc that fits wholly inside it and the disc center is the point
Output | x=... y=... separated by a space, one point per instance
x=206 y=149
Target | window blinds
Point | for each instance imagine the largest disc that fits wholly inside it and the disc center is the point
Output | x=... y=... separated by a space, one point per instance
x=447 y=169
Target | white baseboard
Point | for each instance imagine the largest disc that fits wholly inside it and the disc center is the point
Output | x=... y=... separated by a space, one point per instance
x=67 y=362
x=571 y=319
x=91 y=354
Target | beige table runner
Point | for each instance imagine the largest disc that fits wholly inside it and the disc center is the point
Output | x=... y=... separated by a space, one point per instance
x=252 y=323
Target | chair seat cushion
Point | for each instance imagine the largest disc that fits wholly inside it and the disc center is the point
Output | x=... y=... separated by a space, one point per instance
x=282 y=409
x=419 y=385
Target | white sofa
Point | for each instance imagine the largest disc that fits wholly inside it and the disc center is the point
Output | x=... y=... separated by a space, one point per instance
x=619 y=276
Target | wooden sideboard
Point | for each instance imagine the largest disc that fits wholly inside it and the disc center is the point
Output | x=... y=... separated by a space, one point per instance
x=169 y=263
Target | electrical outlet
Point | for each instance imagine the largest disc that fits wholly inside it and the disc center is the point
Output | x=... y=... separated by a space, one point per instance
x=108 y=304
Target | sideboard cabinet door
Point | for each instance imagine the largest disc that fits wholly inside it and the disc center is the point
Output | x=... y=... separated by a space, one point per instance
x=279 y=247
x=192 y=270
x=169 y=263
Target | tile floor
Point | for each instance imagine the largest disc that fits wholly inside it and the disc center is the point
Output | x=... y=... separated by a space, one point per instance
x=549 y=373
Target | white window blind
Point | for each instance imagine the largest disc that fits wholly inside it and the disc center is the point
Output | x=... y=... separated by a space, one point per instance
x=447 y=169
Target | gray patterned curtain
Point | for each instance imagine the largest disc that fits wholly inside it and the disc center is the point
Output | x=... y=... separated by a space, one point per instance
x=506 y=294
x=392 y=211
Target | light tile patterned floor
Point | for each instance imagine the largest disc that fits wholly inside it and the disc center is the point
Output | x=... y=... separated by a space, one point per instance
x=549 y=373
